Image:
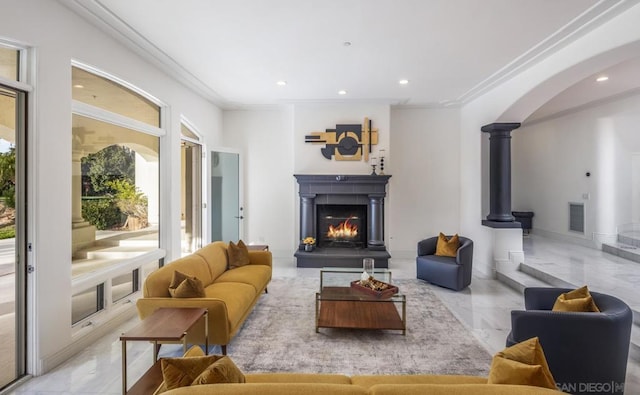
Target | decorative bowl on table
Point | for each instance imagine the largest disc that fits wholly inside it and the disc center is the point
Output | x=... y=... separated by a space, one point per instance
x=375 y=287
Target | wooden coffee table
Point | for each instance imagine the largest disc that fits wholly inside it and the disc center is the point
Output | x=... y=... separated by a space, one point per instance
x=164 y=325
x=340 y=306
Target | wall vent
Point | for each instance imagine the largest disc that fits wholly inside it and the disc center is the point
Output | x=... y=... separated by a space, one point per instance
x=576 y=217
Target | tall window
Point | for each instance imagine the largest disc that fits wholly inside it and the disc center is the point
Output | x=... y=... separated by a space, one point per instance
x=115 y=181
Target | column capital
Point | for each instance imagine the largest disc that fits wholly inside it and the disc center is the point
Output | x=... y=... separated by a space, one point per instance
x=500 y=127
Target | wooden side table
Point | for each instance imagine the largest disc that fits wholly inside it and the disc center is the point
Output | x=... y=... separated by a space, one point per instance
x=165 y=324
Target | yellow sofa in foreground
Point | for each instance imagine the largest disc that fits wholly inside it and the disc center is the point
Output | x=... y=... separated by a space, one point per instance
x=339 y=384
x=230 y=294
x=311 y=384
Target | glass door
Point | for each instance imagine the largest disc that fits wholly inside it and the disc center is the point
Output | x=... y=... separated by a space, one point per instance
x=12 y=257
x=226 y=210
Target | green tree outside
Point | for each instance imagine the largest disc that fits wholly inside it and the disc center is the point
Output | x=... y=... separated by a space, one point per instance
x=8 y=191
x=8 y=176
x=112 y=163
x=110 y=197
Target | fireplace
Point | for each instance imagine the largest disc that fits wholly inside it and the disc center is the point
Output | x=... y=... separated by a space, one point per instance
x=345 y=214
x=341 y=226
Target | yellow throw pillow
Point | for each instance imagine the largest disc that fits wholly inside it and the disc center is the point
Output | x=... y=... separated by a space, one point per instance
x=180 y=372
x=178 y=277
x=578 y=300
x=447 y=247
x=221 y=371
x=183 y=286
x=194 y=351
x=522 y=364
x=238 y=254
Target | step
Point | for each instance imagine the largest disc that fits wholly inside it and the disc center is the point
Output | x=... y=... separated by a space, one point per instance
x=519 y=280
x=140 y=242
x=623 y=250
x=630 y=238
x=113 y=252
x=549 y=279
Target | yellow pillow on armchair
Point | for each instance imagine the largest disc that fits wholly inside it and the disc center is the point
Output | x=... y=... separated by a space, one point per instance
x=447 y=247
x=578 y=300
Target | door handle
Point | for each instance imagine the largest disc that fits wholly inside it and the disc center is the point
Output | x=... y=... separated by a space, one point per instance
x=240 y=217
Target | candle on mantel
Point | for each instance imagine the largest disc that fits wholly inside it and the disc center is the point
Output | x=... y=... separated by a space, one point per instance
x=374 y=160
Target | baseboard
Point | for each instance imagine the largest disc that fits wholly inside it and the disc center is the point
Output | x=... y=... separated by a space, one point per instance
x=282 y=254
x=403 y=254
x=485 y=269
x=86 y=339
x=583 y=241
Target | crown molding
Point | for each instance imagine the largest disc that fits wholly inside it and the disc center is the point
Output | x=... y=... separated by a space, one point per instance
x=598 y=14
x=100 y=16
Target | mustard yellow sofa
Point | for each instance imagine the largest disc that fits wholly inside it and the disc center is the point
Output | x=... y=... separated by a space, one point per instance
x=229 y=294
x=312 y=384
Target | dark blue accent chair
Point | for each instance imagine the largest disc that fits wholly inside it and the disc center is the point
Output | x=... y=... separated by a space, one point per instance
x=448 y=272
x=586 y=352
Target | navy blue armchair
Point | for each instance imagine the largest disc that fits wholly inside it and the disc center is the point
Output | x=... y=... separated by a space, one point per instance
x=448 y=272
x=586 y=352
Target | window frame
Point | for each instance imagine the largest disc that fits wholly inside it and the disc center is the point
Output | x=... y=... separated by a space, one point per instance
x=103 y=277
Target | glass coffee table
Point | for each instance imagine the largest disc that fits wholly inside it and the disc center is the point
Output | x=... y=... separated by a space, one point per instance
x=338 y=305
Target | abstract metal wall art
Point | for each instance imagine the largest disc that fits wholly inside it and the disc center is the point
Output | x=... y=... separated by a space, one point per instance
x=346 y=142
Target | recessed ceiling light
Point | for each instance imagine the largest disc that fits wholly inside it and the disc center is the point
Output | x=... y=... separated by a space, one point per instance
x=342 y=92
x=347 y=43
x=403 y=82
x=602 y=78
x=78 y=86
x=281 y=83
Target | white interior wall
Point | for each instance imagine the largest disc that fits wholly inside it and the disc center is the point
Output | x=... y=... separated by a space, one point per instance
x=57 y=37
x=551 y=160
x=265 y=138
x=425 y=187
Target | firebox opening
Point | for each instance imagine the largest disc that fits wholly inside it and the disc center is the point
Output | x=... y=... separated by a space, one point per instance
x=342 y=226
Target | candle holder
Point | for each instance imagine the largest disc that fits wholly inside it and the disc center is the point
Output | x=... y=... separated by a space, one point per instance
x=381 y=162
x=367 y=269
x=373 y=166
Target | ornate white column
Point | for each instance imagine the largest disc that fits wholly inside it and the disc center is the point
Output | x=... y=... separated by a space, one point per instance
x=83 y=234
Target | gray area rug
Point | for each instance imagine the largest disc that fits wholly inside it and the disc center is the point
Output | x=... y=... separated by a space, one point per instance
x=280 y=336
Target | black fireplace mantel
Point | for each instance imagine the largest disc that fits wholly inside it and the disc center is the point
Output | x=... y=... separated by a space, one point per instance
x=370 y=190
x=342 y=184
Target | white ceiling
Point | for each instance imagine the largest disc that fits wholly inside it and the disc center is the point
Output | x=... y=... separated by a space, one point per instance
x=234 y=51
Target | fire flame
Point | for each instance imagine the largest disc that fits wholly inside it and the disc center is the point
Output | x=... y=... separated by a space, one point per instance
x=344 y=230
